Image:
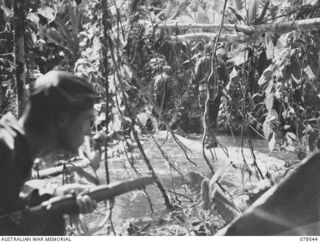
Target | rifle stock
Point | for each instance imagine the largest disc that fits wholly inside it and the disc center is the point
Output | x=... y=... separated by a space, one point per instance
x=67 y=204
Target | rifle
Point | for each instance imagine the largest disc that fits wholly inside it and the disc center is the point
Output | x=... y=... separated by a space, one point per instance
x=58 y=170
x=67 y=204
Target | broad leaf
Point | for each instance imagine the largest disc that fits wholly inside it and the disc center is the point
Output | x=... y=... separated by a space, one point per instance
x=266 y=76
x=238 y=55
x=53 y=36
x=269 y=101
x=286 y=127
x=273 y=115
x=7 y=11
x=33 y=18
x=272 y=141
x=33 y=37
x=307 y=70
x=266 y=129
x=95 y=160
x=48 y=13
x=295 y=69
x=290 y=137
x=252 y=10
x=269 y=46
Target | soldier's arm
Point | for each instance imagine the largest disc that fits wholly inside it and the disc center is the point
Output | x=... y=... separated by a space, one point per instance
x=222 y=71
x=157 y=83
x=197 y=73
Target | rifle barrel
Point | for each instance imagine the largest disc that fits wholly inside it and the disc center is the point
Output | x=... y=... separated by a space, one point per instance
x=67 y=204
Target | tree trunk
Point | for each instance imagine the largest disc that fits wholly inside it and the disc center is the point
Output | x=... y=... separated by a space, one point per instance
x=105 y=21
x=19 y=55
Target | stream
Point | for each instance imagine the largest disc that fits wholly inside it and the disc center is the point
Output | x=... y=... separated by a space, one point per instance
x=136 y=205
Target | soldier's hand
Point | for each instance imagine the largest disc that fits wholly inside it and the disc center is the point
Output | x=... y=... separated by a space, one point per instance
x=84 y=202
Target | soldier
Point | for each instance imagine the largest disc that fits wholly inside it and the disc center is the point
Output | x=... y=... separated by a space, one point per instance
x=162 y=88
x=202 y=79
x=56 y=118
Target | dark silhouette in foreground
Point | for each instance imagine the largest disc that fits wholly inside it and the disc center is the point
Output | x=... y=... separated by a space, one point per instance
x=290 y=208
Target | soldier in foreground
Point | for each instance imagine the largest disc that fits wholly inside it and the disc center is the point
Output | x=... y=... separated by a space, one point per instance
x=56 y=118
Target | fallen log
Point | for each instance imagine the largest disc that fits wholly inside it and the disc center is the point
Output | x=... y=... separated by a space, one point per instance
x=213 y=28
x=278 y=27
x=230 y=38
x=239 y=33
